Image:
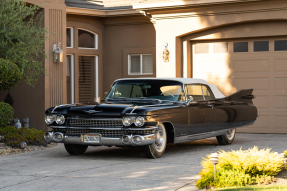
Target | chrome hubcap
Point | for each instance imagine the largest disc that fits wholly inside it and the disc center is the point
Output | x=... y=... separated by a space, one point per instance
x=230 y=134
x=160 y=139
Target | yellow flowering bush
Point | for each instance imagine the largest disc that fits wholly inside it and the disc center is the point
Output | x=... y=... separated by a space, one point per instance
x=239 y=168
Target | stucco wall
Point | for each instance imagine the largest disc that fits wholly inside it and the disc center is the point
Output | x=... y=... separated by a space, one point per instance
x=173 y=26
x=124 y=35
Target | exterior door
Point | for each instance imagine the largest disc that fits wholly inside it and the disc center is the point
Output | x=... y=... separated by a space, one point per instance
x=201 y=112
x=82 y=79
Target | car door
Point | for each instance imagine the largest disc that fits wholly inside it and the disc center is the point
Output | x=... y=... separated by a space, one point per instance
x=201 y=111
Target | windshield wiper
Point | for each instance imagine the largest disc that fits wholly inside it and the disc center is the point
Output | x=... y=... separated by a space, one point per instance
x=146 y=99
x=119 y=99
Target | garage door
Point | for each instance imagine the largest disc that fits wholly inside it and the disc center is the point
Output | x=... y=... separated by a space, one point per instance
x=260 y=64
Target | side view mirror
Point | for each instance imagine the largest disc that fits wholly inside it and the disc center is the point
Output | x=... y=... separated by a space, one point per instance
x=190 y=99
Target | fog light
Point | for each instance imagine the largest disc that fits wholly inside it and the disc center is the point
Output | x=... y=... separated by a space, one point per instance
x=58 y=136
x=48 y=136
x=126 y=139
x=137 y=139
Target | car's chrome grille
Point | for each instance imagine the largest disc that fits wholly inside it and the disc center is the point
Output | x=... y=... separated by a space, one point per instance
x=95 y=123
x=105 y=133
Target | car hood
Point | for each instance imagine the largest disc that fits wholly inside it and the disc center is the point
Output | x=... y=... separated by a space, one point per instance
x=109 y=110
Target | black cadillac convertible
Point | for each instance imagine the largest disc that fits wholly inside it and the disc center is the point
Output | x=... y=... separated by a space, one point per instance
x=151 y=112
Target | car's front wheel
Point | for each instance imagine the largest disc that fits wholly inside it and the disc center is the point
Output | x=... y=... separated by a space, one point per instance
x=73 y=149
x=227 y=138
x=157 y=149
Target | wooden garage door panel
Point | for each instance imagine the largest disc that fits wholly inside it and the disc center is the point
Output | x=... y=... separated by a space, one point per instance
x=265 y=72
x=280 y=83
x=262 y=102
x=281 y=65
x=254 y=65
x=280 y=102
x=212 y=69
x=252 y=83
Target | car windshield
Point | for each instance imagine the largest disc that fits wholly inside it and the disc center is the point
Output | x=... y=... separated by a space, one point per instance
x=148 y=89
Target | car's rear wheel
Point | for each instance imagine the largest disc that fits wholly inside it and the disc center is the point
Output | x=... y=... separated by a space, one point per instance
x=73 y=149
x=227 y=138
x=157 y=149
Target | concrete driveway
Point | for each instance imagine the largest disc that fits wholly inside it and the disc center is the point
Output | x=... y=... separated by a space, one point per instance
x=104 y=168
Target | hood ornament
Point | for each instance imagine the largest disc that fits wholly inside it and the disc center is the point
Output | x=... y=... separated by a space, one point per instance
x=91 y=111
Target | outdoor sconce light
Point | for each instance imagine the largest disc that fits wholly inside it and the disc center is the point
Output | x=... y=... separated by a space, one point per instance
x=57 y=53
x=214 y=160
x=165 y=52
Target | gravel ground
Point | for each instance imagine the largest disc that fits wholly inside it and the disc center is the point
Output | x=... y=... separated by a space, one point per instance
x=7 y=150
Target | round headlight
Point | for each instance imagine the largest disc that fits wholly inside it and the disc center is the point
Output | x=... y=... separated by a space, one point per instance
x=49 y=119
x=139 y=121
x=60 y=119
x=127 y=121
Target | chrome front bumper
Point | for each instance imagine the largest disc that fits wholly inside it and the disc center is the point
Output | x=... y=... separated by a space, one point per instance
x=126 y=140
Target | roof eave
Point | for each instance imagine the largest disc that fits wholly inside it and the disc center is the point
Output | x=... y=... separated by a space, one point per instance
x=101 y=13
x=184 y=4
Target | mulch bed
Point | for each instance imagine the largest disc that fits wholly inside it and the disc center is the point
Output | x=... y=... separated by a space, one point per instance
x=7 y=150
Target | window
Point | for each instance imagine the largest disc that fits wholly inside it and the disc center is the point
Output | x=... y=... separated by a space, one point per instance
x=207 y=93
x=195 y=91
x=280 y=45
x=201 y=48
x=199 y=92
x=140 y=64
x=70 y=38
x=87 y=83
x=240 y=47
x=260 y=46
x=149 y=89
x=70 y=79
x=220 y=47
x=87 y=39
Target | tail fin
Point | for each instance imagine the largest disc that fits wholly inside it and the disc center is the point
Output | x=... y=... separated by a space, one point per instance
x=242 y=96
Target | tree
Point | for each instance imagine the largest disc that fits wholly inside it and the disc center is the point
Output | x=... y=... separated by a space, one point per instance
x=22 y=38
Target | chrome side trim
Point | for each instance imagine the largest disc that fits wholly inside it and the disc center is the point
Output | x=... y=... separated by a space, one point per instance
x=195 y=137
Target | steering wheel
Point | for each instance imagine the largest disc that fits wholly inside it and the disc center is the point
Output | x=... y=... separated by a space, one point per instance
x=166 y=93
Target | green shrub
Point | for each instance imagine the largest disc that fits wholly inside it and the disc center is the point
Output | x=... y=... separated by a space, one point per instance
x=6 y=114
x=240 y=168
x=10 y=75
x=13 y=136
x=285 y=152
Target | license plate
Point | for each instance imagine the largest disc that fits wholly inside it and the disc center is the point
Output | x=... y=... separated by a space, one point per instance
x=91 y=138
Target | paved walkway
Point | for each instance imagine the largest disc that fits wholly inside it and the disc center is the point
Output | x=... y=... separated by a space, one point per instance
x=119 y=169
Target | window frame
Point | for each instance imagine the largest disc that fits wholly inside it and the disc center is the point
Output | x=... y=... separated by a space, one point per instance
x=96 y=39
x=129 y=64
x=72 y=37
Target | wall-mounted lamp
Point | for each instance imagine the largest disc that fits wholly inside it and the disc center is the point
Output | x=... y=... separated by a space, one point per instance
x=165 y=52
x=57 y=53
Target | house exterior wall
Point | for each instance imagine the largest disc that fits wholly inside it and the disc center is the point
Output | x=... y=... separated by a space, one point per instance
x=181 y=28
x=123 y=36
x=32 y=102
